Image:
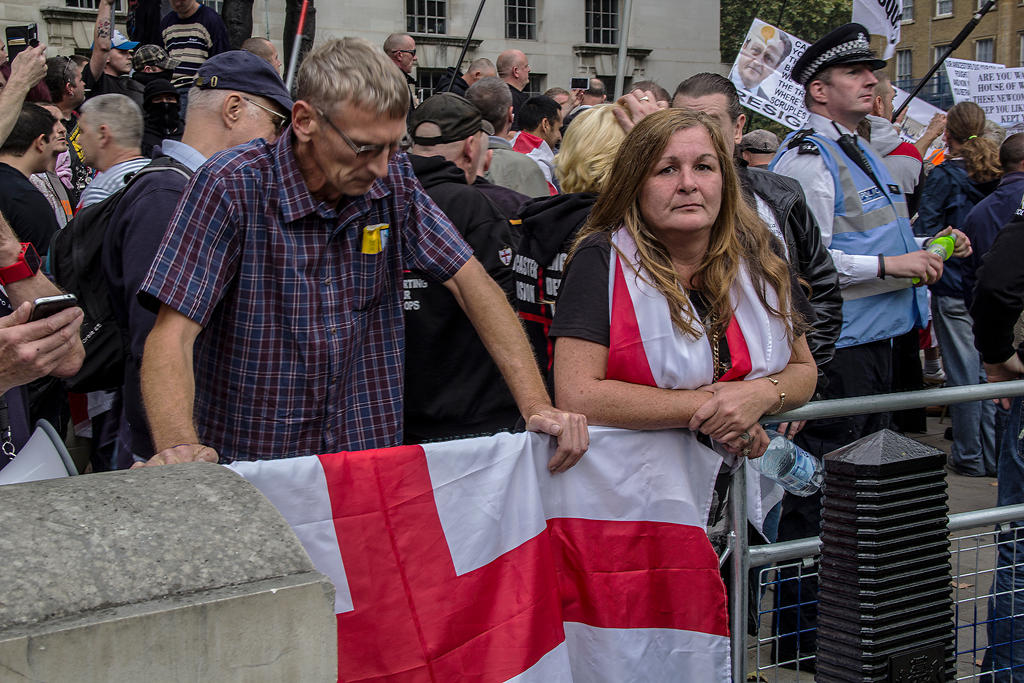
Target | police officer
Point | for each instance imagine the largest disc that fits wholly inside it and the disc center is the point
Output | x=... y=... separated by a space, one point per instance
x=862 y=214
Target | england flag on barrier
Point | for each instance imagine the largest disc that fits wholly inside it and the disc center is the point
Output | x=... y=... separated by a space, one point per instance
x=467 y=560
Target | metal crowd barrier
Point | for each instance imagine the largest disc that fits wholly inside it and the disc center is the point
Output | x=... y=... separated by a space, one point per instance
x=743 y=556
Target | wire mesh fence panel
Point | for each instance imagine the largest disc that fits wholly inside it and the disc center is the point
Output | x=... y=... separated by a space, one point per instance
x=988 y=581
x=774 y=653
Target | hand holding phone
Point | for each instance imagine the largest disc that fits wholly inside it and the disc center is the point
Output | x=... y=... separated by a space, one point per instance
x=48 y=305
x=579 y=83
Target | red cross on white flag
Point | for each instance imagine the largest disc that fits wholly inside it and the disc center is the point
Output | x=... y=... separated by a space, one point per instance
x=467 y=560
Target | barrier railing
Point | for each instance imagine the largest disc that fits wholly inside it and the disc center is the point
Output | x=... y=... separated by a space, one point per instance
x=743 y=556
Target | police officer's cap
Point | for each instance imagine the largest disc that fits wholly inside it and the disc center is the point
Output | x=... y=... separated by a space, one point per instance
x=847 y=44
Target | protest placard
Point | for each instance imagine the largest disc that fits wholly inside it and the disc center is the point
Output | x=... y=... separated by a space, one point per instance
x=916 y=119
x=761 y=74
x=1000 y=92
x=958 y=70
x=881 y=18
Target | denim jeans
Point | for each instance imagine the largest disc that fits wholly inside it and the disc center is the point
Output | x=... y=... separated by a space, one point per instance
x=974 y=428
x=1005 y=654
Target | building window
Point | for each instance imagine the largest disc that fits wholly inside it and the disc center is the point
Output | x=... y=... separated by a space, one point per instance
x=602 y=20
x=426 y=16
x=904 y=66
x=908 y=10
x=943 y=8
x=1021 y=58
x=536 y=85
x=92 y=4
x=521 y=19
x=427 y=82
x=984 y=50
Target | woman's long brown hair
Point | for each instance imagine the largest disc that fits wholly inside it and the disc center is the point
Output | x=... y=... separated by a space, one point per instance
x=965 y=123
x=738 y=234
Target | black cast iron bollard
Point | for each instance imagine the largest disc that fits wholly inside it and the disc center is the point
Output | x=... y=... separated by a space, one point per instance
x=885 y=610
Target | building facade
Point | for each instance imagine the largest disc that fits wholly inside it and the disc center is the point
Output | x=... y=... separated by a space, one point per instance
x=929 y=26
x=669 y=40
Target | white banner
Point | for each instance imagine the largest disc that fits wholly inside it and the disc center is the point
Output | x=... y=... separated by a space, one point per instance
x=761 y=74
x=1000 y=93
x=881 y=18
x=958 y=71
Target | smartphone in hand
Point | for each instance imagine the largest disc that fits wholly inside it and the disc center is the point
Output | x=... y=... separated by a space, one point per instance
x=46 y=306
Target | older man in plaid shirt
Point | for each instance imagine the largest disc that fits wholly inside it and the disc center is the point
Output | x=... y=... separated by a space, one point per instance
x=279 y=284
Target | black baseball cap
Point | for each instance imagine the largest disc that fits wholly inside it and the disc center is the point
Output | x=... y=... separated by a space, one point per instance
x=457 y=117
x=847 y=44
x=245 y=72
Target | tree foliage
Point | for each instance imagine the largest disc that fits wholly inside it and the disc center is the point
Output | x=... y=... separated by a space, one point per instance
x=806 y=19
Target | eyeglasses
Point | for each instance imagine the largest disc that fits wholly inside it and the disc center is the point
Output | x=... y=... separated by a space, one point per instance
x=280 y=120
x=67 y=65
x=408 y=52
x=361 y=151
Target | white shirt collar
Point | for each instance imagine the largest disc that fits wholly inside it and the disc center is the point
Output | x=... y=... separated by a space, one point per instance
x=822 y=125
x=183 y=153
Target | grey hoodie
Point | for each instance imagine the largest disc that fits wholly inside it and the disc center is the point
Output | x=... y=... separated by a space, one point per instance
x=905 y=164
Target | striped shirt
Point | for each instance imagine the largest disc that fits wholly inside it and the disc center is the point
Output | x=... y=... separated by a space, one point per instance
x=193 y=40
x=110 y=181
x=303 y=336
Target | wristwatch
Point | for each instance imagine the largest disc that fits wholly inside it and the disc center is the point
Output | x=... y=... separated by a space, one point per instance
x=25 y=267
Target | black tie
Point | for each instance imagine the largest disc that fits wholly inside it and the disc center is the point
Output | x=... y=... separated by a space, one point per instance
x=848 y=143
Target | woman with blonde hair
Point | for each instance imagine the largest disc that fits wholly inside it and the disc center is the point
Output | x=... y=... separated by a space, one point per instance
x=970 y=172
x=548 y=225
x=676 y=310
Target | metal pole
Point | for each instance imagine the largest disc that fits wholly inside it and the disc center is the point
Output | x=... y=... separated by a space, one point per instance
x=620 y=69
x=293 y=63
x=739 y=567
x=465 y=45
x=862 y=405
x=266 y=17
x=808 y=547
x=960 y=37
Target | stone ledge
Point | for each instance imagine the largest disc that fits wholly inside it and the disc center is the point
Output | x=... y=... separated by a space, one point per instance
x=444 y=40
x=591 y=49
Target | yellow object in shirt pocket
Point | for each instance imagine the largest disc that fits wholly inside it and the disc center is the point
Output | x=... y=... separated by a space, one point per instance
x=375 y=238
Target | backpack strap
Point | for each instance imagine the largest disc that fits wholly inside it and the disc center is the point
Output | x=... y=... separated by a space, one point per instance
x=160 y=164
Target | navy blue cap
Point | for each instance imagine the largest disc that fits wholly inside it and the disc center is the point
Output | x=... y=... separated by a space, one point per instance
x=245 y=72
x=847 y=44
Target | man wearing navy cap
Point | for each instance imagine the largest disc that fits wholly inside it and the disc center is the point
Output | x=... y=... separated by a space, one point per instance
x=111 y=61
x=862 y=214
x=238 y=97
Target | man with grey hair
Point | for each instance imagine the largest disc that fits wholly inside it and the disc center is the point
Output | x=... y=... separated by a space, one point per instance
x=279 y=282
x=111 y=139
x=508 y=168
x=478 y=68
x=401 y=49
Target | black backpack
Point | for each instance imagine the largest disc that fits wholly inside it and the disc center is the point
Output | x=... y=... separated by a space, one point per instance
x=75 y=262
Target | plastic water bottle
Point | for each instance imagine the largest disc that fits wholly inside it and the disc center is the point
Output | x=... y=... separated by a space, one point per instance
x=792 y=467
x=941 y=246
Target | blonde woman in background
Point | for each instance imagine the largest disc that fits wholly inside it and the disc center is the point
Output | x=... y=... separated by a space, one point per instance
x=548 y=225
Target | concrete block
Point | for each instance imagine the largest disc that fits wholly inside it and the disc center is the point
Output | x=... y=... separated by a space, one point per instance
x=181 y=573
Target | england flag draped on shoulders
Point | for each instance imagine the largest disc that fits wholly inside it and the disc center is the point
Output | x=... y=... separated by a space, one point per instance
x=467 y=560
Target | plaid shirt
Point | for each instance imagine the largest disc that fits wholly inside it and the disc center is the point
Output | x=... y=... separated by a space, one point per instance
x=303 y=341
